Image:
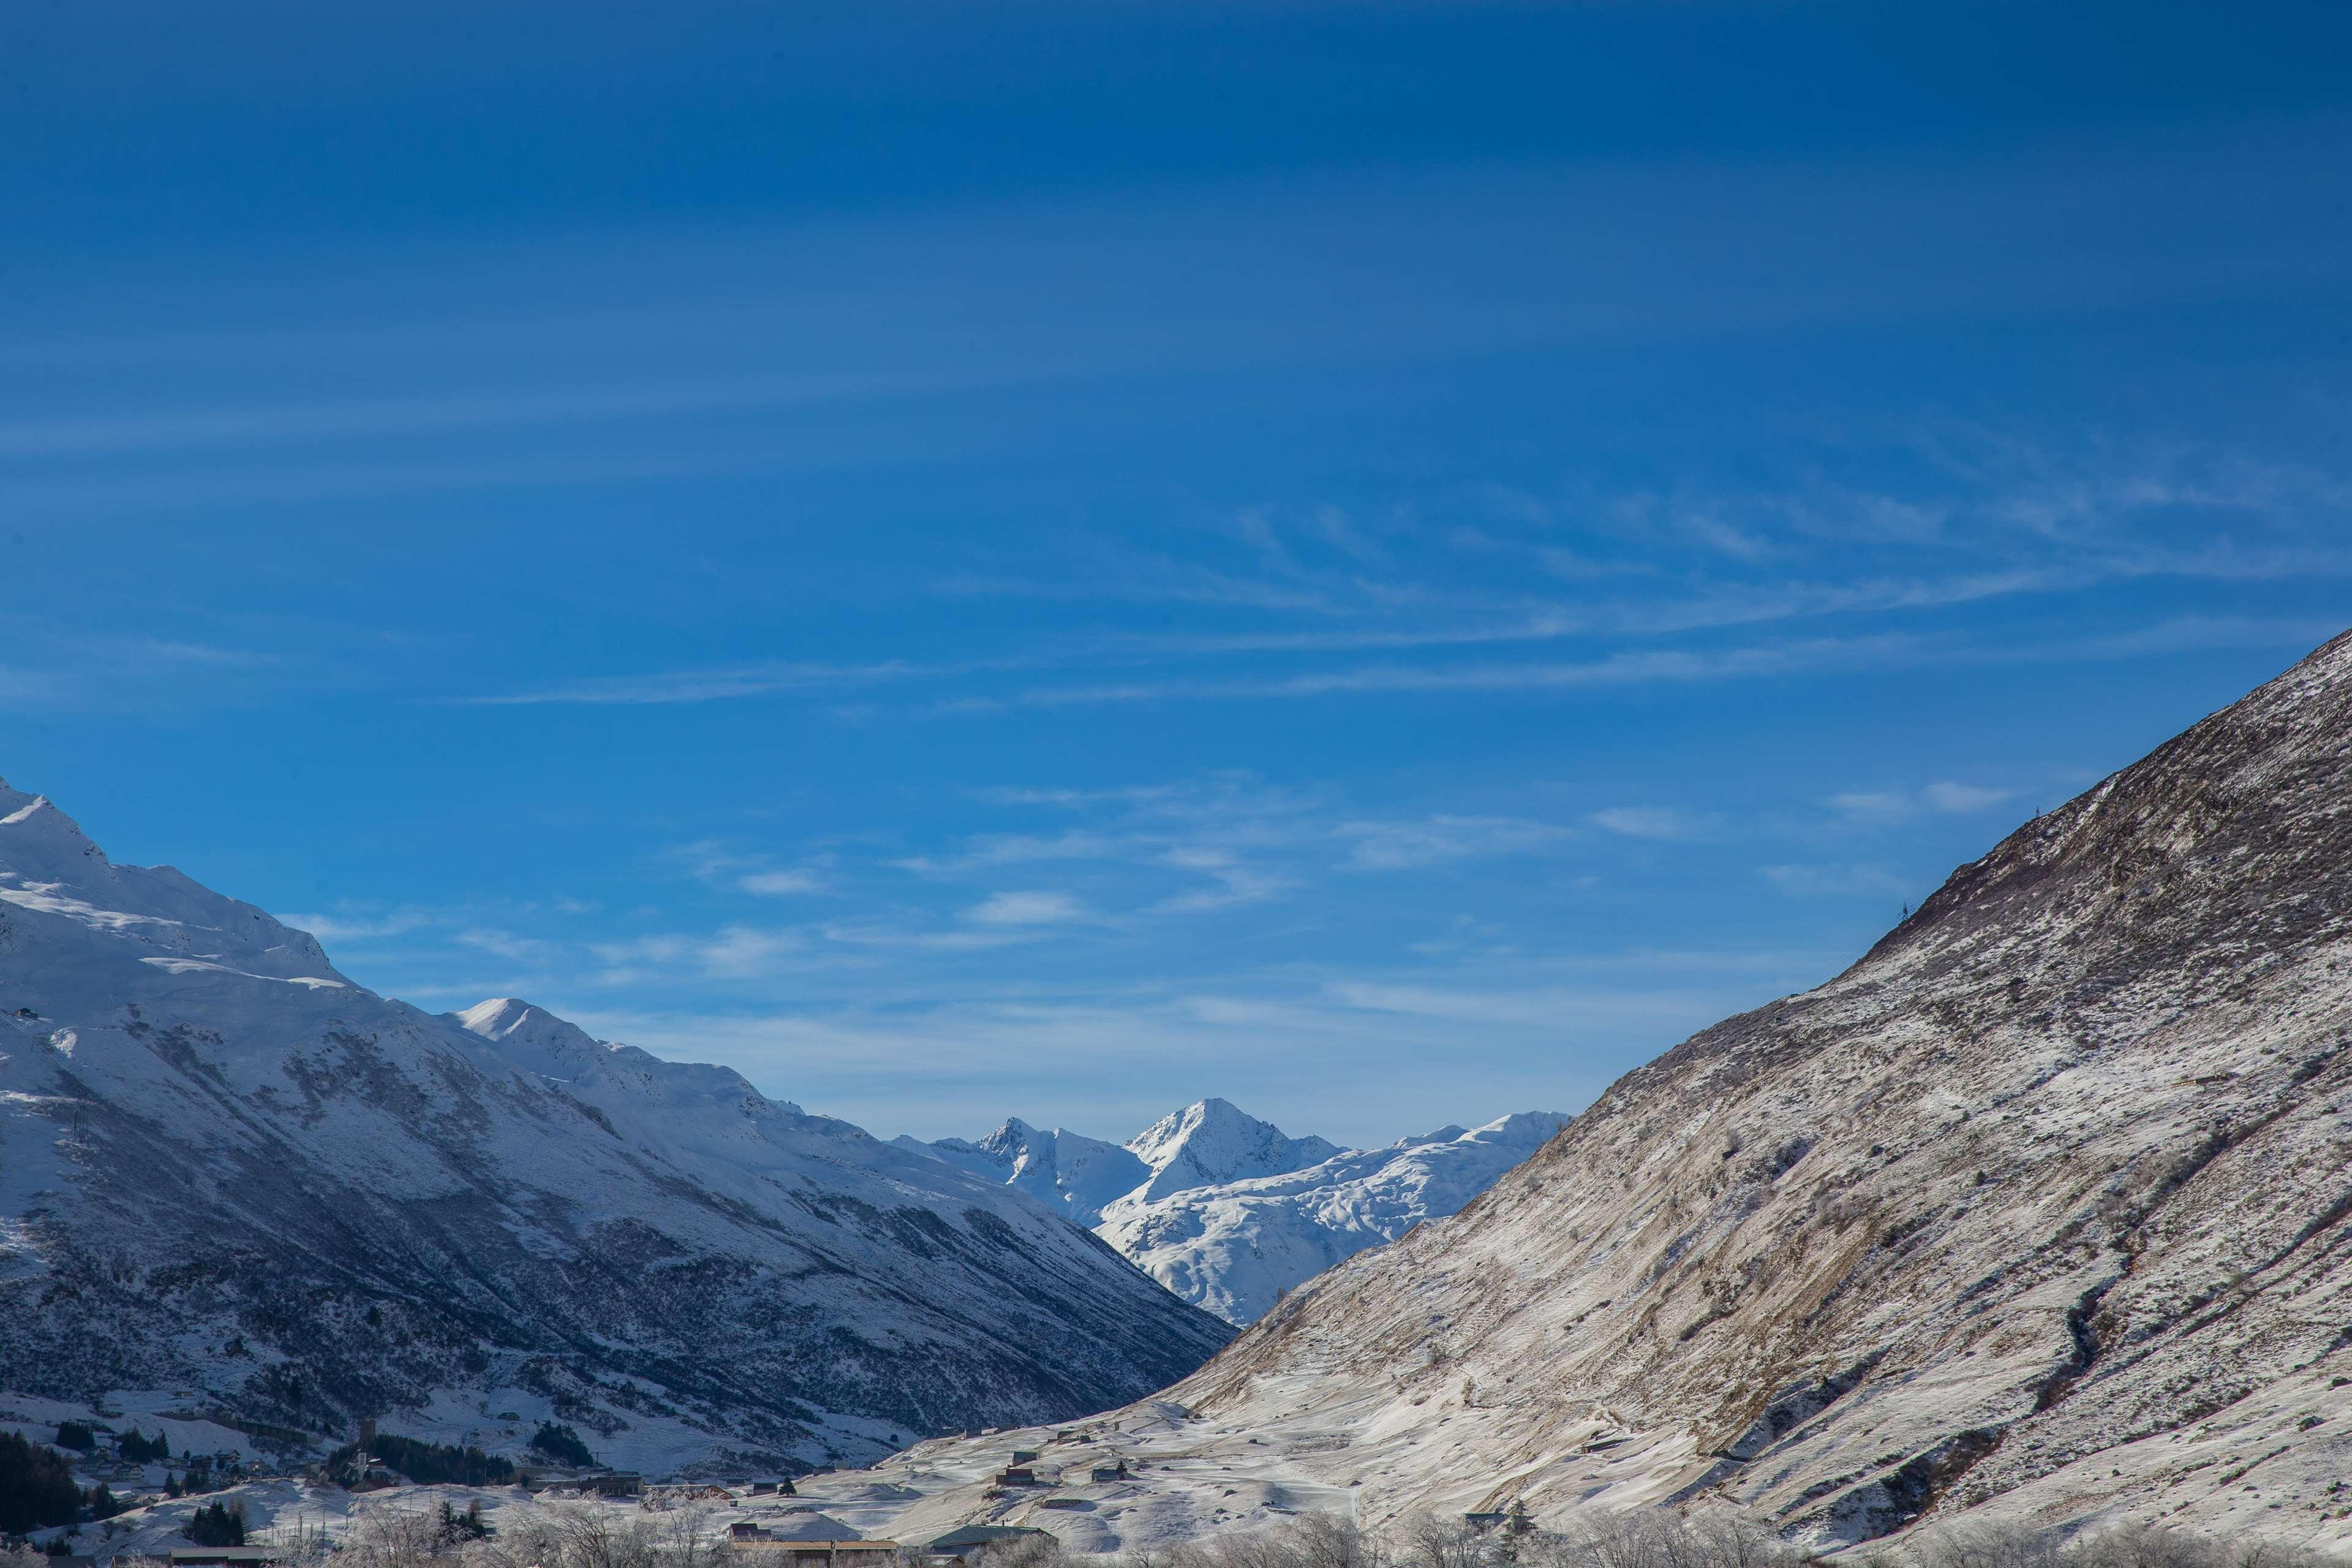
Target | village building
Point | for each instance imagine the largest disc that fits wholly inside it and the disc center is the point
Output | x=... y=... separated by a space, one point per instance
x=778 y=1550
x=958 y=1545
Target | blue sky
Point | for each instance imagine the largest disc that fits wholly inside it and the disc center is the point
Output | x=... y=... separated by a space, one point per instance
x=1384 y=561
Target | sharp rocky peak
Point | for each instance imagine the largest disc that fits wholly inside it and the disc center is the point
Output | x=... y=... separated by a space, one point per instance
x=1213 y=1141
x=509 y=1018
x=34 y=823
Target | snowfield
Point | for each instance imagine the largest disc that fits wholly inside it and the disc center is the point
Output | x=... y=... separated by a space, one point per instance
x=237 y=1187
x=1230 y=1213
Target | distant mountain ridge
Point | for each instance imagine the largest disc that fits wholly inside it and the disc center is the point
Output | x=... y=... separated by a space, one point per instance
x=1061 y=1169
x=229 y=1174
x=1229 y=1212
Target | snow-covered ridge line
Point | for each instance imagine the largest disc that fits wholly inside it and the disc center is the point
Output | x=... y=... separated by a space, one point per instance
x=1229 y=1212
x=235 y=1180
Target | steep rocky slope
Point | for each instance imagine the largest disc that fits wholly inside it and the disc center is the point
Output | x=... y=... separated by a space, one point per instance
x=231 y=1178
x=2043 y=1209
x=1229 y=1212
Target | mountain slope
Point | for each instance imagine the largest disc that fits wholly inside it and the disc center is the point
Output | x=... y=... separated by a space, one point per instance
x=2042 y=1210
x=1229 y=1212
x=228 y=1171
x=2056 y=1178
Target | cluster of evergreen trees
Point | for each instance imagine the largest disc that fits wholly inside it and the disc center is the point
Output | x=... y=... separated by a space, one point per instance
x=561 y=1443
x=217 y=1524
x=139 y=1450
x=425 y=1462
x=36 y=1490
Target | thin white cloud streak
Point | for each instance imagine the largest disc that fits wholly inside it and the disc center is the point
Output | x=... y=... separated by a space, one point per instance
x=279 y=483
x=1887 y=806
x=1560 y=1007
x=1947 y=796
x=1232 y=882
x=1026 y=908
x=1811 y=655
x=1651 y=822
x=1137 y=795
x=37 y=688
x=1618 y=669
x=489 y=410
x=1633 y=667
x=359 y=928
x=1840 y=880
x=727 y=683
x=107 y=668
x=1753 y=605
x=781 y=884
x=987 y=851
x=1400 y=845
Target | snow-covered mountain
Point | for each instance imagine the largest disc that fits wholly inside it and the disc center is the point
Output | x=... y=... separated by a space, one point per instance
x=229 y=1174
x=1229 y=1212
x=1211 y=1142
x=2042 y=1211
x=1061 y=1169
x=1236 y=1246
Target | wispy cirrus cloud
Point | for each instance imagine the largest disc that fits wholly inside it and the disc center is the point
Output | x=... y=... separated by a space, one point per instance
x=1652 y=822
x=1397 y=846
x=1883 y=807
x=1033 y=906
x=781 y=884
x=1231 y=882
x=57 y=663
x=356 y=926
x=724 y=866
x=1850 y=879
x=500 y=409
x=1619 y=670
x=989 y=850
x=722 y=683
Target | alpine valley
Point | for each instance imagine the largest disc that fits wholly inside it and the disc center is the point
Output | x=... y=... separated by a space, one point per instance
x=2041 y=1213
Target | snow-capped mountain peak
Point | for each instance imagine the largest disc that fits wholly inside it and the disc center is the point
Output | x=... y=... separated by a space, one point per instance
x=1212 y=1142
x=164 y=919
